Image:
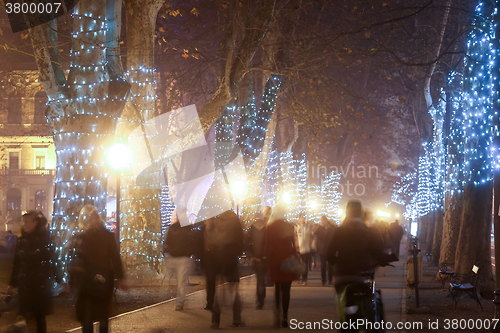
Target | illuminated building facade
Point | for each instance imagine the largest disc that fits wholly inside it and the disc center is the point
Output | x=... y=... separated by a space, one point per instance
x=27 y=155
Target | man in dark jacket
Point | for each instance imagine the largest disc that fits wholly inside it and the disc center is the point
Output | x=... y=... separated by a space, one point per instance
x=256 y=234
x=354 y=249
x=178 y=248
x=396 y=233
x=323 y=234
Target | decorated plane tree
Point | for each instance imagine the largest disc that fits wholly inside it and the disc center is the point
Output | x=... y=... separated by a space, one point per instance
x=84 y=106
x=474 y=241
x=141 y=229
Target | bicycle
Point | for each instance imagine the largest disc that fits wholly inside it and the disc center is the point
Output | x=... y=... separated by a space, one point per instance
x=361 y=304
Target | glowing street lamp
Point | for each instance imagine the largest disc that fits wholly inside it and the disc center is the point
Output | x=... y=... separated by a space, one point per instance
x=381 y=213
x=341 y=213
x=313 y=204
x=286 y=197
x=118 y=158
x=238 y=190
x=397 y=215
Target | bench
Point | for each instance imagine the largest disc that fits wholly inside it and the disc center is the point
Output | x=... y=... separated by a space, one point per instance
x=465 y=283
x=446 y=271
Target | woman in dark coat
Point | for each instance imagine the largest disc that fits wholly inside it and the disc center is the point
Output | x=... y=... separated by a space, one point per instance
x=96 y=264
x=280 y=246
x=31 y=270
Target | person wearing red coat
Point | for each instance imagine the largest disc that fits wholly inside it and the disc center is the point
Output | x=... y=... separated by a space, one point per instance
x=280 y=246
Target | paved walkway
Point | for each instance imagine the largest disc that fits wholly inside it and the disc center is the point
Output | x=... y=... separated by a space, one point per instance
x=311 y=303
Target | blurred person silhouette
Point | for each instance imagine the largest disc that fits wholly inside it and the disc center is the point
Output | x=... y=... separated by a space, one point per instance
x=279 y=238
x=353 y=250
x=323 y=234
x=178 y=248
x=381 y=229
x=95 y=266
x=368 y=218
x=268 y=210
x=208 y=264
x=223 y=242
x=256 y=234
x=31 y=269
x=396 y=234
x=304 y=240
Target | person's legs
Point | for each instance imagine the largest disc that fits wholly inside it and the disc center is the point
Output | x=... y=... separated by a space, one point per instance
x=87 y=324
x=261 y=284
x=103 y=326
x=323 y=269
x=183 y=267
x=237 y=306
x=305 y=260
x=340 y=289
x=311 y=260
x=210 y=277
x=88 y=327
x=41 y=324
x=285 y=292
x=215 y=310
x=277 y=298
x=330 y=272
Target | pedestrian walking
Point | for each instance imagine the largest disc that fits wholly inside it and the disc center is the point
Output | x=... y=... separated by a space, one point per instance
x=257 y=248
x=208 y=264
x=31 y=270
x=396 y=234
x=95 y=266
x=223 y=242
x=279 y=240
x=304 y=240
x=178 y=248
x=354 y=249
x=323 y=234
x=381 y=229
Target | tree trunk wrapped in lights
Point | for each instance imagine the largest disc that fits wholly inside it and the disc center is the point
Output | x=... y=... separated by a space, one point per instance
x=454 y=172
x=474 y=241
x=140 y=206
x=83 y=111
x=255 y=139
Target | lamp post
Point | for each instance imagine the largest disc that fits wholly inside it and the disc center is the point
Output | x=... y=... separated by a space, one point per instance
x=119 y=158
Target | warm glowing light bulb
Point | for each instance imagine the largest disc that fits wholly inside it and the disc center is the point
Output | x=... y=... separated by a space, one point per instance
x=238 y=188
x=118 y=156
x=383 y=214
x=313 y=204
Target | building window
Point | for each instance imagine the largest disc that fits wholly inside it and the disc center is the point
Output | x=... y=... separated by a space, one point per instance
x=14 y=160
x=14 y=203
x=40 y=201
x=40 y=161
x=40 y=107
x=14 y=111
